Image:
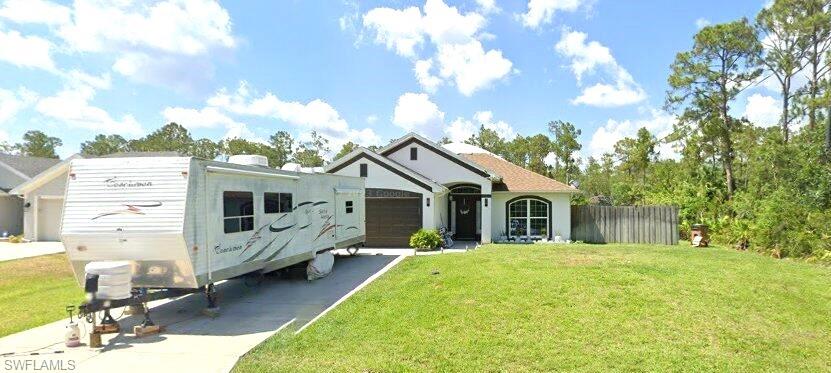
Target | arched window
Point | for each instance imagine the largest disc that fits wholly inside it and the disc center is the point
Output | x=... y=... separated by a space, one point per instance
x=528 y=217
x=465 y=189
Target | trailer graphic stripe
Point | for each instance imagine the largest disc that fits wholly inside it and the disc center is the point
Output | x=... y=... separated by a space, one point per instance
x=258 y=253
x=131 y=208
x=280 y=229
x=304 y=203
x=273 y=255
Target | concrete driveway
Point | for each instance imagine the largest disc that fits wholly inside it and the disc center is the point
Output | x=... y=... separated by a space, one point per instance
x=250 y=313
x=11 y=251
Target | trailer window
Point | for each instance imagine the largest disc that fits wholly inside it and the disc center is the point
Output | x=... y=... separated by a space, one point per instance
x=238 y=211
x=348 y=207
x=276 y=202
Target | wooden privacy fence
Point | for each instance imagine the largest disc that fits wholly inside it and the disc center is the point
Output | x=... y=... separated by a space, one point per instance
x=625 y=224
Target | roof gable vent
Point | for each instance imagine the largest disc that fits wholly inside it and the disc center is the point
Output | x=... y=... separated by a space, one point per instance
x=249 y=160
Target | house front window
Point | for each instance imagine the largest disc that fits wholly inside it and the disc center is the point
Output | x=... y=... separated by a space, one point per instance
x=528 y=218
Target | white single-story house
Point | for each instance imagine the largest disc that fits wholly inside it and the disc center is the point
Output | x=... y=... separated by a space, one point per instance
x=42 y=197
x=415 y=183
x=16 y=170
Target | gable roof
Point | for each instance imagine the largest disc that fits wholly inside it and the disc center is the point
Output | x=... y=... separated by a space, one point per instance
x=27 y=166
x=389 y=164
x=44 y=176
x=411 y=138
x=516 y=178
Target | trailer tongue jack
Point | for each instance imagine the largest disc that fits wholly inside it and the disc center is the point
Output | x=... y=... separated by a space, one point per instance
x=138 y=300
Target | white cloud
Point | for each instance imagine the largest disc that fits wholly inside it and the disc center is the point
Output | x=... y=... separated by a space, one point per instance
x=446 y=25
x=585 y=57
x=208 y=117
x=371 y=119
x=487 y=6
x=400 y=30
x=659 y=123
x=414 y=112
x=72 y=106
x=607 y=95
x=80 y=78
x=188 y=27
x=426 y=79
x=12 y=102
x=316 y=115
x=470 y=67
x=166 y=42
x=593 y=58
x=701 y=23
x=542 y=11
x=35 y=11
x=457 y=38
x=462 y=129
x=26 y=51
x=762 y=110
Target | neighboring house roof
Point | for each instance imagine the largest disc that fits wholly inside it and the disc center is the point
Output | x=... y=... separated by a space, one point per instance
x=389 y=164
x=28 y=166
x=44 y=176
x=420 y=140
x=516 y=178
x=23 y=168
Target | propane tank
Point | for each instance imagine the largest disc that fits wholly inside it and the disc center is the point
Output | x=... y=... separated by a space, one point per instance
x=72 y=336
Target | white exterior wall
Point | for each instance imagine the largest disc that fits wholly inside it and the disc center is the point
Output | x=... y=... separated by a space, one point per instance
x=447 y=173
x=11 y=215
x=560 y=212
x=380 y=177
x=440 y=208
x=55 y=188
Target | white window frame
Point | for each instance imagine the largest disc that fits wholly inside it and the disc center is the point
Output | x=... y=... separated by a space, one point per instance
x=528 y=218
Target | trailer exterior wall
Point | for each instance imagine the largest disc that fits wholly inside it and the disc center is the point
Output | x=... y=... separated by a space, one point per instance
x=129 y=209
x=166 y=215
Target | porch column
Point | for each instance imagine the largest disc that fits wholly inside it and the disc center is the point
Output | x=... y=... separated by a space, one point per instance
x=486 y=212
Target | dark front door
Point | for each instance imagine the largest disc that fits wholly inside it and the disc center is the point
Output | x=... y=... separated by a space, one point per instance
x=465 y=217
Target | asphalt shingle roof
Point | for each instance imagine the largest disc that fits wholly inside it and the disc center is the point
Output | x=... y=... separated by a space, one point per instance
x=516 y=178
x=29 y=166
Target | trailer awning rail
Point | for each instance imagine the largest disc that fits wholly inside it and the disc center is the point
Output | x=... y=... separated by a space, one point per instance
x=235 y=171
x=349 y=191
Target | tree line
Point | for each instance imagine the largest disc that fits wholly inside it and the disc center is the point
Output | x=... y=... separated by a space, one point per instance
x=280 y=148
x=767 y=189
x=761 y=188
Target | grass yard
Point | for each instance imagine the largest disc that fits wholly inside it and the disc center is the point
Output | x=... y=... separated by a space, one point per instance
x=35 y=291
x=576 y=307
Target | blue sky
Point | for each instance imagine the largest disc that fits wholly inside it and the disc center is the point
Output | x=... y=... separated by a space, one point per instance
x=365 y=71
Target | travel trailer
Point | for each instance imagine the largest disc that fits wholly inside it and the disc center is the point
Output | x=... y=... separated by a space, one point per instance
x=184 y=223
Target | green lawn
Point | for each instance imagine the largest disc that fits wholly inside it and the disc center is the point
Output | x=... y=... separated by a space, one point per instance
x=35 y=291
x=576 y=307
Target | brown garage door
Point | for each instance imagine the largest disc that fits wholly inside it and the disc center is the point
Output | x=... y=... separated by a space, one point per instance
x=391 y=221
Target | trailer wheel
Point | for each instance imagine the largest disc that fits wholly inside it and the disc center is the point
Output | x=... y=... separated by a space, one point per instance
x=352 y=250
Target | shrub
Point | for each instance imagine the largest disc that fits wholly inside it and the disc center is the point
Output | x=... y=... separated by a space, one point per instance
x=425 y=240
